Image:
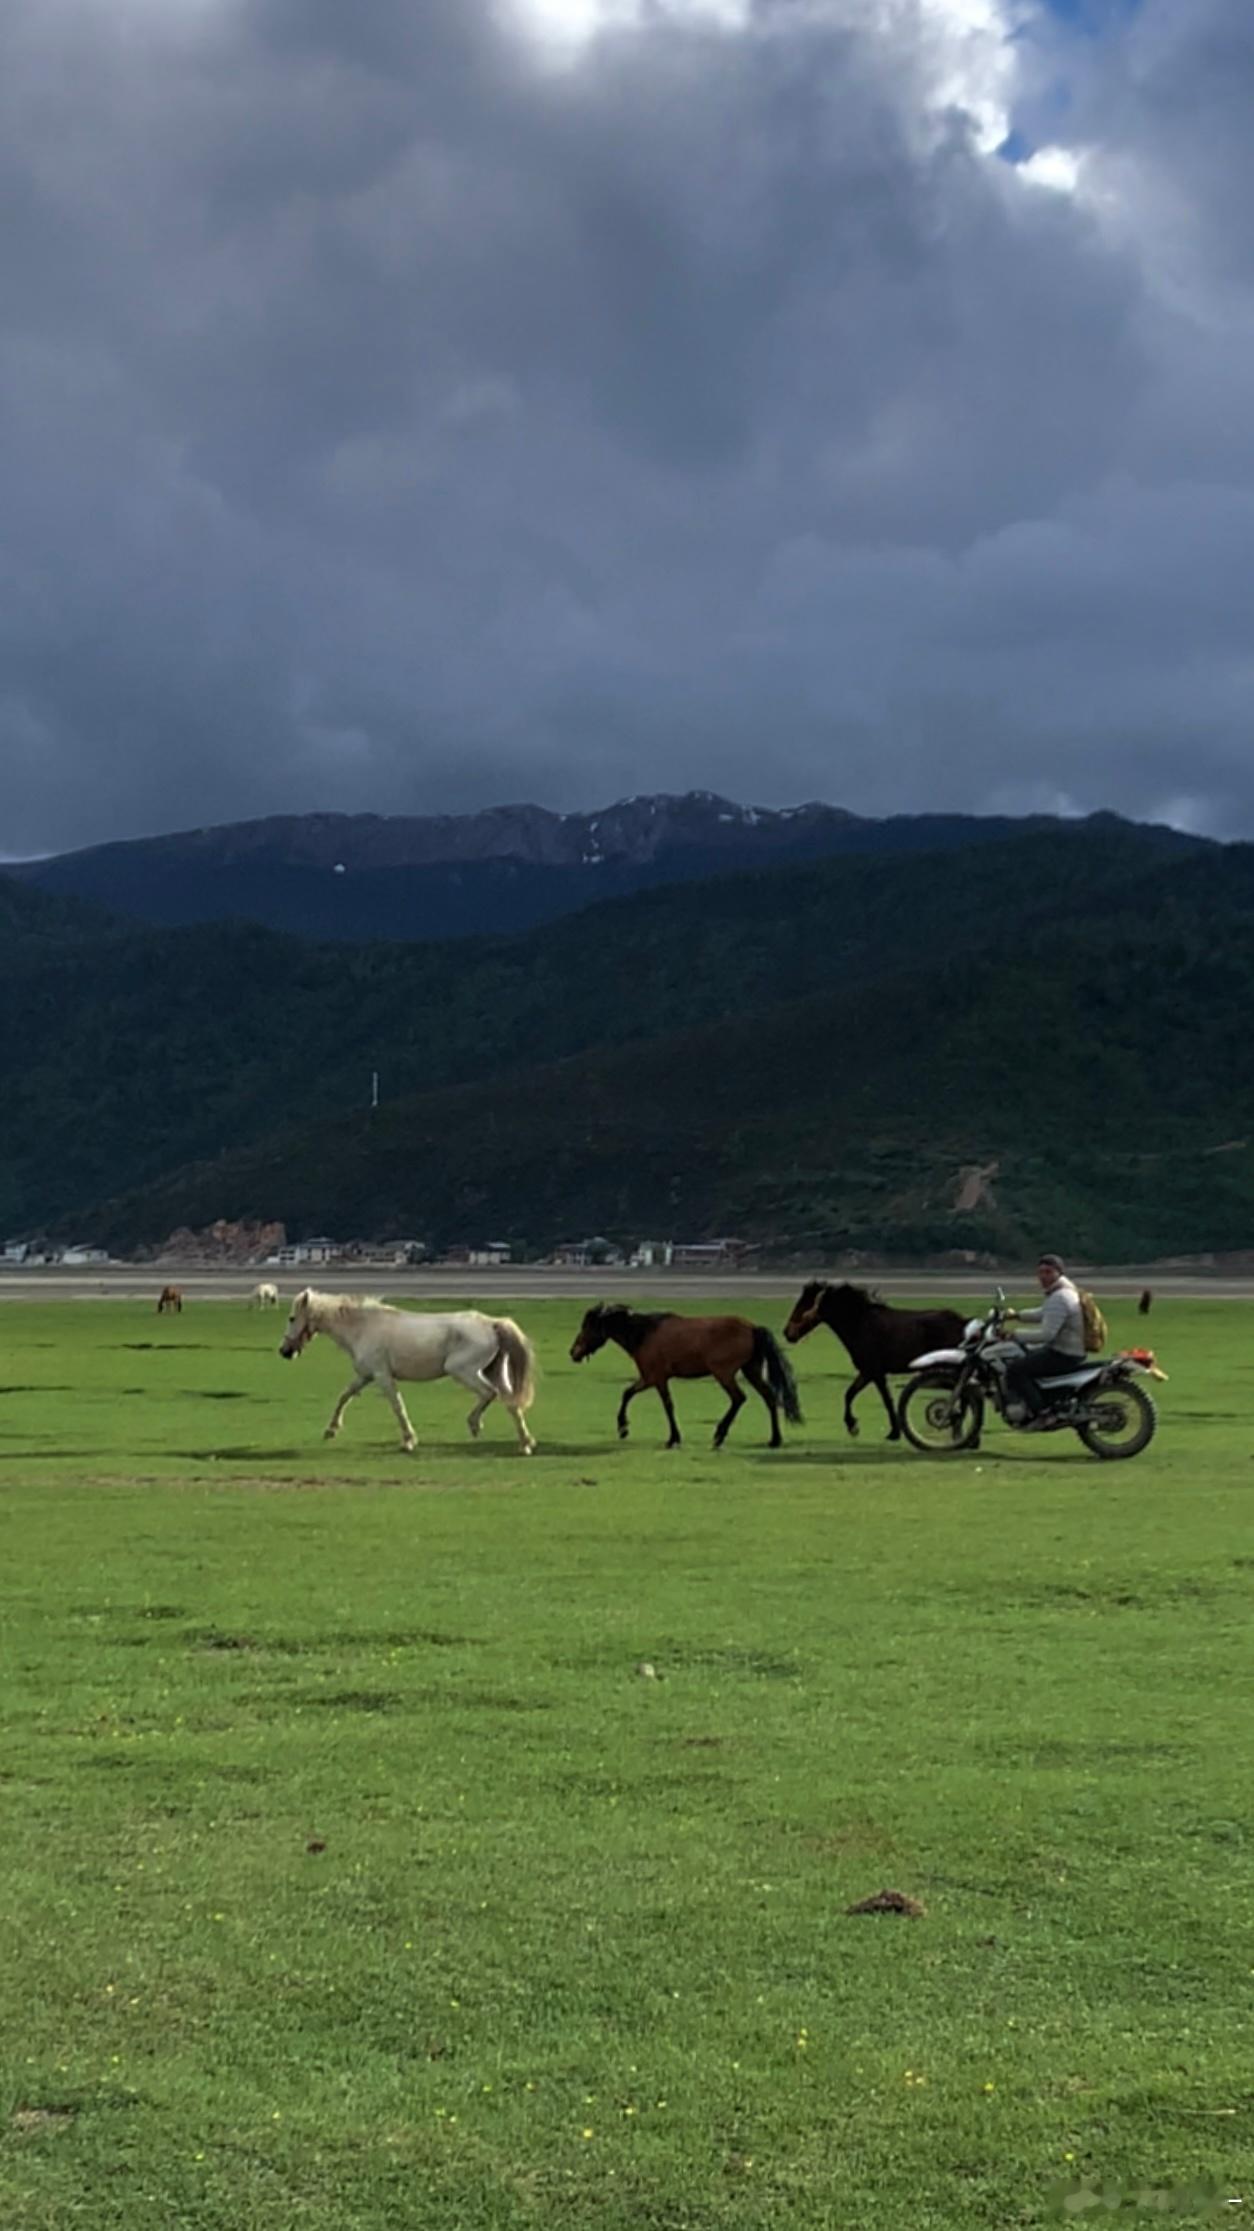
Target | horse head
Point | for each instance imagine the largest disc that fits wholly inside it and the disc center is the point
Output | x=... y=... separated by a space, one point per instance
x=807 y=1310
x=592 y=1334
x=300 y=1327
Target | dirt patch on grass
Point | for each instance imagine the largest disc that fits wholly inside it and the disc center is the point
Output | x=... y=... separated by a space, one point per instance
x=890 y=1901
x=31 y=2122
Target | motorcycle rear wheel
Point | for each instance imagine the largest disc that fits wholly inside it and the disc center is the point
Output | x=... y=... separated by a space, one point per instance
x=1138 y=1421
x=931 y=1422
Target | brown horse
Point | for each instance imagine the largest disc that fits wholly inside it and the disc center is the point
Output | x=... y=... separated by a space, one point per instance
x=879 y=1339
x=664 y=1346
x=170 y=1298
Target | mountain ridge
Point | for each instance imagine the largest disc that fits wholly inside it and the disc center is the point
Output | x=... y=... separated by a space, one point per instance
x=357 y=878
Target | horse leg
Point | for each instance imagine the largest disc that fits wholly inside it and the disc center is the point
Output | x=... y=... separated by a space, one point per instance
x=851 y=1394
x=894 y=1429
x=354 y=1387
x=391 y=1392
x=753 y=1373
x=629 y=1395
x=664 y=1396
x=735 y=1403
x=470 y=1375
x=526 y=1438
x=473 y=1376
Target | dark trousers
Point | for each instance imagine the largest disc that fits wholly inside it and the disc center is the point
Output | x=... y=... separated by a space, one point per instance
x=1039 y=1363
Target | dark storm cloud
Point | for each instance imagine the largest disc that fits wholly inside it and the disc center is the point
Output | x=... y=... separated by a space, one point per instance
x=391 y=417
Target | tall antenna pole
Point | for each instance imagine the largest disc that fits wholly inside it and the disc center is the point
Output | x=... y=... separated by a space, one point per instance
x=374 y=1088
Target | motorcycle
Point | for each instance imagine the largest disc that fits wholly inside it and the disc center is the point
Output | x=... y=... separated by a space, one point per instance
x=942 y=1407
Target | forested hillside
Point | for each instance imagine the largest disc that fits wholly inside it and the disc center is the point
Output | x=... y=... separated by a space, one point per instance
x=809 y=1055
x=1089 y=1076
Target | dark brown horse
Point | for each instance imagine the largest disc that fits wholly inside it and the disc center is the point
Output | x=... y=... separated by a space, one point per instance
x=170 y=1297
x=664 y=1346
x=879 y=1339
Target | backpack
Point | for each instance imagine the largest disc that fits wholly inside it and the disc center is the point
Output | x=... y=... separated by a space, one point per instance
x=1095 y=1331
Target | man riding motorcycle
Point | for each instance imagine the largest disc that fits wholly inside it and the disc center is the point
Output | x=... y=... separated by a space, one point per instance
x=1058 y=1347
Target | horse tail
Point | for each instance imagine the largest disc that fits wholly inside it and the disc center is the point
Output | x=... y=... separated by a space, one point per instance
x=770 y=1357
x=512 y=1370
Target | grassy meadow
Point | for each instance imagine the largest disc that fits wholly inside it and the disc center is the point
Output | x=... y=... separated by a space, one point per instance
x=356 y=1875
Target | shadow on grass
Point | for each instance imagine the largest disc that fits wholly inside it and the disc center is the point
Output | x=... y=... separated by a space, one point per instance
x=832 y=1459
x=248 y=1455
x=838 y=1459
x=164 y=1347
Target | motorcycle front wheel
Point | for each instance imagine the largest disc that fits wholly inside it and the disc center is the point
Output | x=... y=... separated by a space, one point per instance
x=1125 y=1423
x=936 y=1419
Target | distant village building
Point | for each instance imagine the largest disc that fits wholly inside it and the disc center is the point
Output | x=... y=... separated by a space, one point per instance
x=14 y=1251
x=653 y=1254
x=305 y=1251
x=585 y=1254
x=491 y=1255
x=79 y=1255
x=708 y=1254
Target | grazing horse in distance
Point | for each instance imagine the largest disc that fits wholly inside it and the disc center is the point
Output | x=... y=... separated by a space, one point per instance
x=170 y=1297
x=664 y=1346
x=264 y=1296
x=878 y=1339
x=490 y=1355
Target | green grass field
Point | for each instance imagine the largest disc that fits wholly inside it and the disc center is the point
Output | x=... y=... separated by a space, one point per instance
x=355 y=1876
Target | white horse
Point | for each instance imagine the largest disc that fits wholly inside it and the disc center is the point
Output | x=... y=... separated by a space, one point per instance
x=490 y=1355
x=264 y=1297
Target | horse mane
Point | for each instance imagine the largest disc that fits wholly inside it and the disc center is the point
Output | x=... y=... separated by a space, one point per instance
x=321 y=1306
x=636 y=1323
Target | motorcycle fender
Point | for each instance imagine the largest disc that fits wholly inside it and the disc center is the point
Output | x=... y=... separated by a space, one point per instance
x=938 y=1355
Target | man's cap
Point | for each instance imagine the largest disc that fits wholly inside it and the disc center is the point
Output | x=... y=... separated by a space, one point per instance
x=1055 y=1262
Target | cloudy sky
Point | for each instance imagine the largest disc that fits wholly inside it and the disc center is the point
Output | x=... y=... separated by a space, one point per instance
x=418 y=404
